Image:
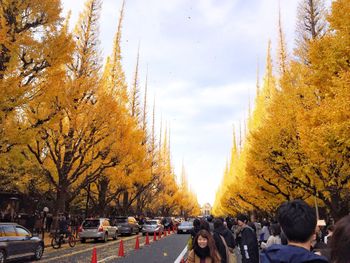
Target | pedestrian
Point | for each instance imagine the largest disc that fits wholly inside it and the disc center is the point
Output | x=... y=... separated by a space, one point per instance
x=49 y=219
x=265 y=232
x=248 y=242
x=224 y=240
x=340 y=242
x=204 y=249
x=298 y=222
x=274 y=238
x=193 y=232
x=328 y=237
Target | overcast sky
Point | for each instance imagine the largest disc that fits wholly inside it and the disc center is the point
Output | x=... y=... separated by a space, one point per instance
x=202 y=59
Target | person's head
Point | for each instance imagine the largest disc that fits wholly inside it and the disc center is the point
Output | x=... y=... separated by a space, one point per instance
x=204 y=244
x=196 y=223
x=275 y=229
x=340 y=242
x=297 y=220
x=330 y=229
x=205 y=225
x=218 y=223
x=242 y=219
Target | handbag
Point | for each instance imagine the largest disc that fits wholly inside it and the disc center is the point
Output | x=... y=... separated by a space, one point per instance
x=230 y=257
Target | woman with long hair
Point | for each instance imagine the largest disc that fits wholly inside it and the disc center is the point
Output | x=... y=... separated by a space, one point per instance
x=204 y=249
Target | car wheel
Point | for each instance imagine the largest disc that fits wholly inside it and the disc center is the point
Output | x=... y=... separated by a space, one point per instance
x=105 y=238
x=2 y=256
x=38 y=252
x=83 y=240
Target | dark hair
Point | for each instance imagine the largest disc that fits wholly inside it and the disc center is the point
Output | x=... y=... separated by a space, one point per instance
x=340 y=242
x=205 y=225
x=242 y=217
x=330 y=228
x=275 y=229
x=298 y=220
x=218 y=223
x=211 y=244
x=196 y=223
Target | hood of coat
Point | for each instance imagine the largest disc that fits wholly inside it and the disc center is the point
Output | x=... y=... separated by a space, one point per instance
x=290 y=254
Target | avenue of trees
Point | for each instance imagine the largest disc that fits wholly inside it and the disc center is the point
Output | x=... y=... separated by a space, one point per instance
x=71 y=128
x=297 y=144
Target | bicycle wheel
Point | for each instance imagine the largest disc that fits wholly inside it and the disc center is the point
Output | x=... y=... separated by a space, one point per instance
x=72 y=241
x=56 y=242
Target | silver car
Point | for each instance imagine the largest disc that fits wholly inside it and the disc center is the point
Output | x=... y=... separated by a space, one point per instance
x=97 y=228
x=185 y=227
x=151 y=226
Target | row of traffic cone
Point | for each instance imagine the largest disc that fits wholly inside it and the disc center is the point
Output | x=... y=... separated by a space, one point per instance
x=137 y=244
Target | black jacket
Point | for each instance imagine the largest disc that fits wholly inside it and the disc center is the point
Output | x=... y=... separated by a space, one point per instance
x=230 y=241
x=248 y=245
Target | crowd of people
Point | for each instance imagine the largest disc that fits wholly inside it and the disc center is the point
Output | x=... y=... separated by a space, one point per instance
x=296 y=236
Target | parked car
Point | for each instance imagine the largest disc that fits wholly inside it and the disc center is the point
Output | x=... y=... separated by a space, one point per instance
x=151 y=226
x=18 y=242
x=97 y=228
x=185 y=227
x=127 y=225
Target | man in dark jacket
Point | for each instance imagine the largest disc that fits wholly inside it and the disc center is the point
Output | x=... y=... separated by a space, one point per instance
x=298 y=222
x=248 y=242
x=221 y=231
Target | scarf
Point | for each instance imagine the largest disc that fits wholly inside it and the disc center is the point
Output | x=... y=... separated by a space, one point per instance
x=202 y=252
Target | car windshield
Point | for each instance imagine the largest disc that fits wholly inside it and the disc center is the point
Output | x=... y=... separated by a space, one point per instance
x=91 y=223
x=121 y=220
x=151 y=222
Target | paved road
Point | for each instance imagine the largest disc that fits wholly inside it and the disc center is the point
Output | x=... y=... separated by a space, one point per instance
x=164 y=250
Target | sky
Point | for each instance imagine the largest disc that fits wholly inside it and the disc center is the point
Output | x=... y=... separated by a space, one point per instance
x=202 y=58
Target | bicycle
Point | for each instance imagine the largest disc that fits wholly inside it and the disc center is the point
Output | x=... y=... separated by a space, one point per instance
x=58 y=239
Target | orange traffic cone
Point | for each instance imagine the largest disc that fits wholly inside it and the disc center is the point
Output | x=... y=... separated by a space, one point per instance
x=165 y=232
x=137 y=243
x=154 y=236
x=94 y=256
x=121 y=249
x=147 y=239
x=169 y=231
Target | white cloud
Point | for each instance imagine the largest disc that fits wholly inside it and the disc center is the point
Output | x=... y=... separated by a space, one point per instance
x=201 y=57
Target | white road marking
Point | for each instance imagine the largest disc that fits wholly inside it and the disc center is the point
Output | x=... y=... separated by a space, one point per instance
x=107 y=258
x=182 y=254
x=84 y=250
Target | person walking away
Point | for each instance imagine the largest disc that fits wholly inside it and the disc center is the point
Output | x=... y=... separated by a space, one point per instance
x=63 y=226
x=222 y=234
x=340 y=242
x=265 y=232
x=248 y=242
x=274 y=238
x=204 y=249
x=193 y=232
x=298 y=222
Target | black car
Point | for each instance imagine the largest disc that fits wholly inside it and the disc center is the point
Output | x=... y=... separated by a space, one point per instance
x=17 y=242
x=126 y=225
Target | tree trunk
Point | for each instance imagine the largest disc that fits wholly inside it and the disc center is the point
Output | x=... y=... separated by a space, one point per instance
x=61 y=198
x=339 y=206
x=102 y=193
x=125 y=202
